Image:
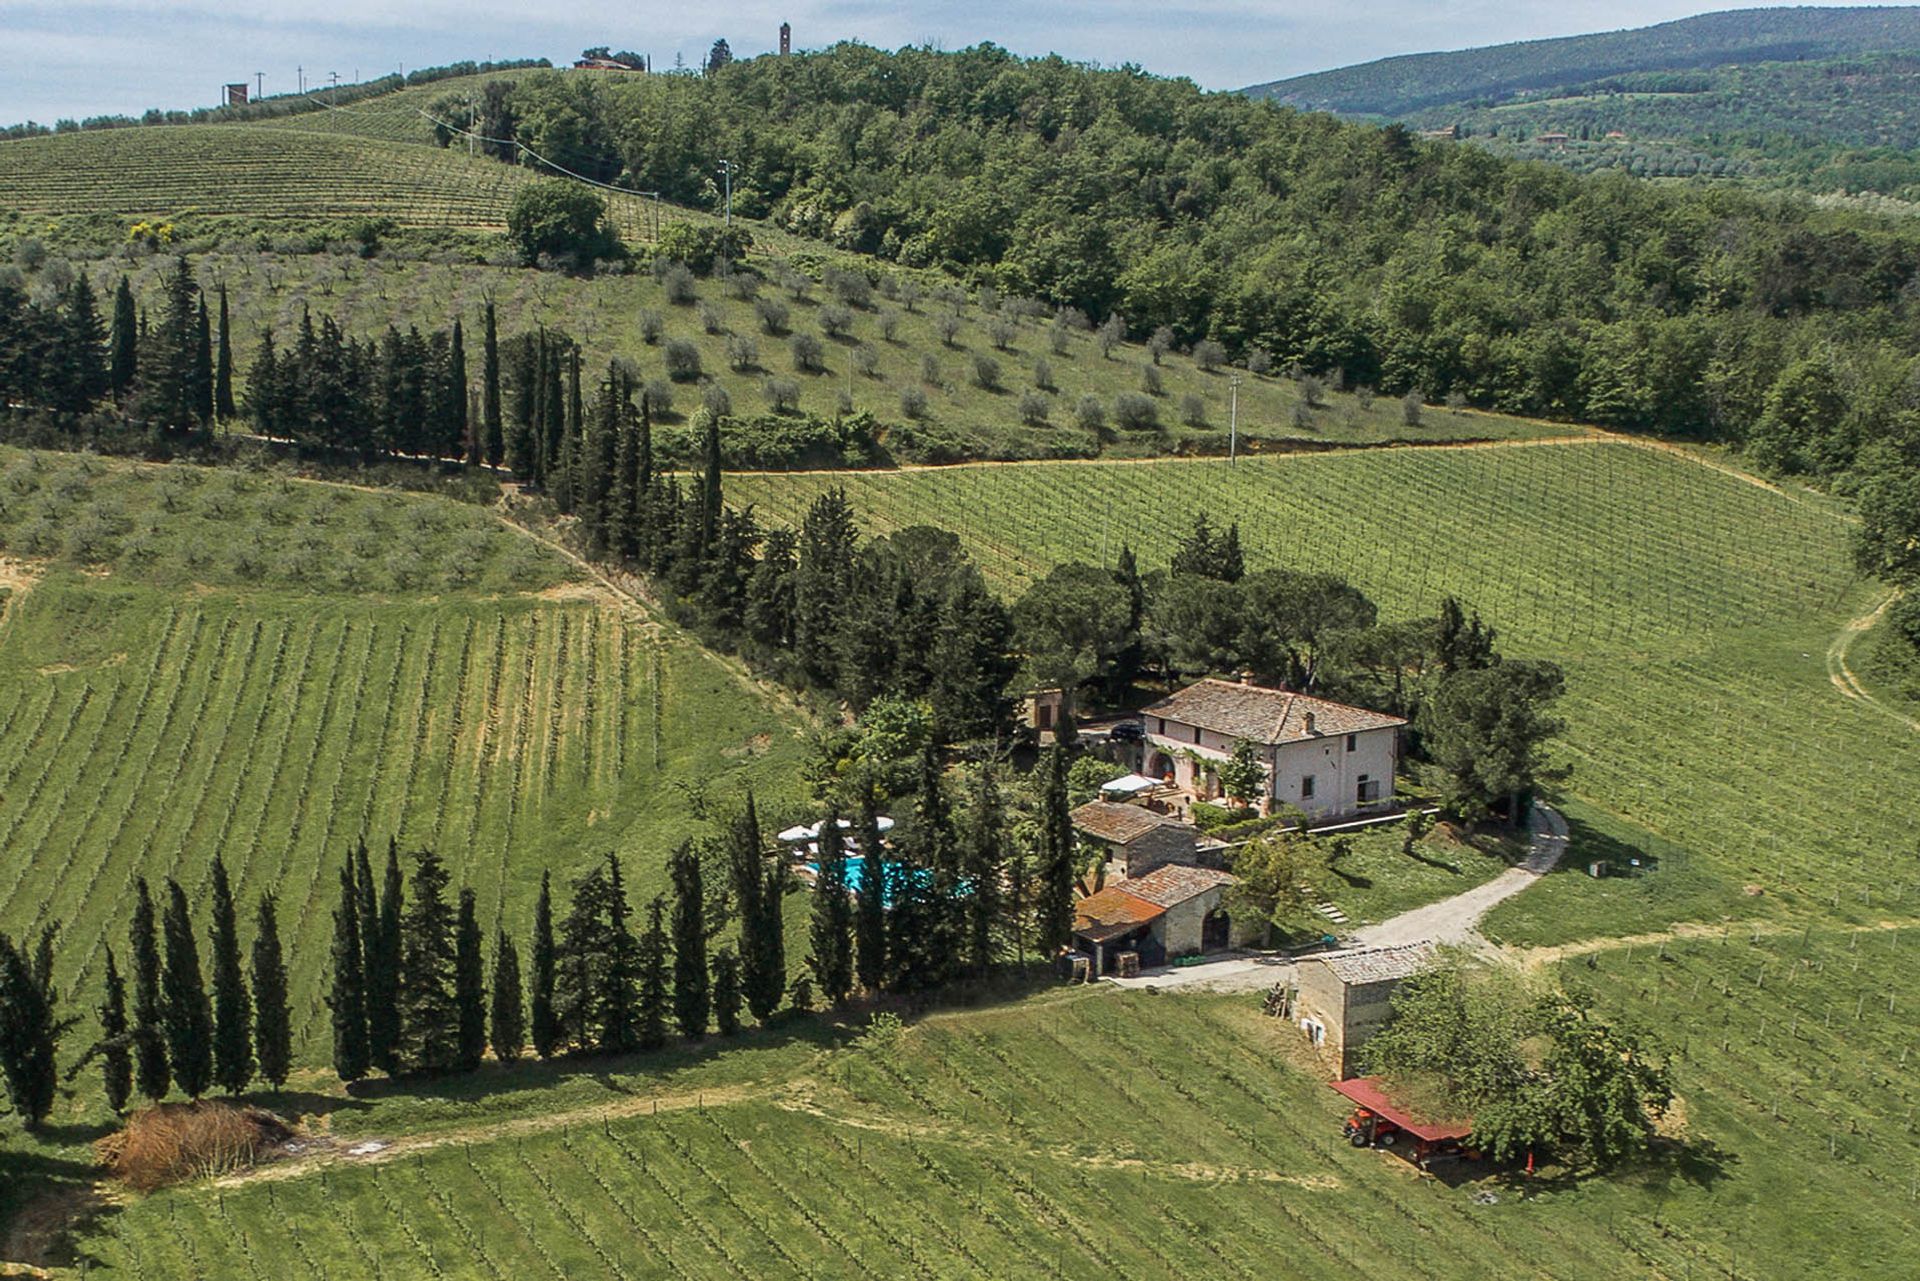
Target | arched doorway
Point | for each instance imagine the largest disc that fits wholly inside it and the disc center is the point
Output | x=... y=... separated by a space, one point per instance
x=1160 y=766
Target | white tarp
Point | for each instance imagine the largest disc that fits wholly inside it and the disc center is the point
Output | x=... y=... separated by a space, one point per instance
x=1130 y=785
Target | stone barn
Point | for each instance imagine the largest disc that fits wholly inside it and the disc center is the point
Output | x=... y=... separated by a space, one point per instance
x=1172 y=911
x=1136 y=840
x=1345 y=997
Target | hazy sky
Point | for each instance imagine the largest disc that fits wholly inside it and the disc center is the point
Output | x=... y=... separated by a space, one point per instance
x=91 y=57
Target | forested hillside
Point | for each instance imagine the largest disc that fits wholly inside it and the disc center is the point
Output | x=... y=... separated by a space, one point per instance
x=1344 y=249
x=1398 y=86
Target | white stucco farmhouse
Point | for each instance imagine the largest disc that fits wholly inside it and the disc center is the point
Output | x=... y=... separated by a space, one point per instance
x=1328 y=759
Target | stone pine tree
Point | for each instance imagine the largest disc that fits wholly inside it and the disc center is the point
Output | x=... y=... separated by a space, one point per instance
x=232 y=1013
x=1053 y=904
x=29 y=1034
x=223 y=364
x=656 y=1000
x=492 y=432
x=507 y=1016
x=347 y=990
x=151 y=1073
x=692 y=992
x=385 y=1018
x=983 y=865
x=726 y=991
x=469 y=986
x=116 y=1054
x=542 y=1024
x=187 y=1016
x=870 y=899
x=123 y=342
x=272 y=1017
x=429 y=1016
x=831 y=928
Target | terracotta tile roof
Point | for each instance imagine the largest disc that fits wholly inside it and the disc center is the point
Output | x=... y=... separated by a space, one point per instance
x=1379 y=964
x=1174 y=883
x=1262 y=715
x=1111 y=913
x=1119 y=822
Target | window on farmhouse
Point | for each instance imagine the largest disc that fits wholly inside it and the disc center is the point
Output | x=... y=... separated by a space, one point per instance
x=1306 y=786
x=1352 y=741
x=1369 y=789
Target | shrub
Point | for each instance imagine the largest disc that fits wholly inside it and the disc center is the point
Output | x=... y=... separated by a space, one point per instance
x=783 y=394
x=889 y=324
x=843 y=402
x=682 y=360
x=835 y=320
x=809 y=353
x=177 y=1141
x=743 y=353
x=1410 y=406
x=986 y=372
x=947 y=325
x=1134 y=412
x=652 y=326
x=1072 y=319
x=1456 y=400
x=743 y=285
x=1302 y=415
x=1312 y=390
x=564 y=221
x=679 y=285
x=1259 y=362
x=1193 y=410
x=1000 y=332
x=1034 y=408
x=1363 y=396
x=772 y=314
x=1209 y=355
x=1090 y=413
x=1059 y=338
x=866 y=360
x=1151 y=382
x=913 y=403
x=1043 y=375
x=710 y=319
x=715 y=400
x=657 y=395
x=930 y=370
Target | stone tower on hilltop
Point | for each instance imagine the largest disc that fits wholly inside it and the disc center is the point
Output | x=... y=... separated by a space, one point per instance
x=786 y=39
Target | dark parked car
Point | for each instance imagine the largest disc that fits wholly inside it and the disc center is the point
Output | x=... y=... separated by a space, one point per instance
x=1128 y=732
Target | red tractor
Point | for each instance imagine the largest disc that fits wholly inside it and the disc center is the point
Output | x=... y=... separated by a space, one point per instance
x=1377 y=1122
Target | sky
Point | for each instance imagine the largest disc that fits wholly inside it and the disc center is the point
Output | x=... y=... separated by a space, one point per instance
x=76 y=58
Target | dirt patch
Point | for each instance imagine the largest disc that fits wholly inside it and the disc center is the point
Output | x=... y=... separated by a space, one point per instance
x=588 y=590
x=41 y=1234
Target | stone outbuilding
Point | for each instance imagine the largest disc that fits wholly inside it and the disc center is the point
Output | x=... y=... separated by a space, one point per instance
x=1345 y=997
x=1136 y=839
x=1173 y=911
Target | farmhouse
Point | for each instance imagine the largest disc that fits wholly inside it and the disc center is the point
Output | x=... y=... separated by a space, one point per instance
x=1345 y=997
x=1136 y=840
x=1170 y=912
x=1329 y=760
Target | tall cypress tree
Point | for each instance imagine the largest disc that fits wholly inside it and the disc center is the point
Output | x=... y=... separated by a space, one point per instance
x=870 y=898
x=983 y=862
x=123 y=341
x=223 y=364
x=469 y=985
x=831 y=933
x=712 y=501
x=232 y=1015
x=116 y=1057
x=692 y=995
x=185 y=1012
x=430 y=1017
x=458 y=437
x=763 y=976
x=347 y=992
x=543 y=1026
x=201 y=384
x=149 y=1014
x=83 y=358
x=384 y=1015
x=29 y=1035
x=619 y=975
x=1054 y=901
x=726 y=991
x=507 y=1027
x=492 y=432
x=272 y=1020
x=655 y=999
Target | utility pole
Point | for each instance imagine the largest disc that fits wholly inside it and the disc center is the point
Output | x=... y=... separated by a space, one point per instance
x=726 y=169
x=1233 y=419
x=334 y=78
x=259 y=85
x=300 y=74
x=473 y=124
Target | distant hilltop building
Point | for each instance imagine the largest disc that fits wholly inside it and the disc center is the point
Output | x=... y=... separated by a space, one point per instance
x=786 y=39
x=234 y=95
x=1554 y=139
x=1449 y=134
x=600 y=58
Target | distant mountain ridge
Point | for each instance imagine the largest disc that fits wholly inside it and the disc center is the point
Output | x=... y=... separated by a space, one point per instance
x=1411 y=83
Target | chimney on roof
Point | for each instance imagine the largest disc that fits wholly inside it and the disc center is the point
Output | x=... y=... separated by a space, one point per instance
x=1309 y=717
x=1246 y=676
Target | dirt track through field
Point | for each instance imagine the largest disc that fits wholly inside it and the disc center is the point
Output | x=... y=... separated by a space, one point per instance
x=1843 y=677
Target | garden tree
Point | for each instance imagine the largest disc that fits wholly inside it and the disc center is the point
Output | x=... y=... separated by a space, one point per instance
x=507 y=1013
x=718 y=56
x=870 y=898
x=1273 y=869
x=759 y=886
x=1071 y=625
x=122 y=342
x=1414 y=830
x=726 y=991
x=543 y=1025
x=983 y=858
x=554 y=219
x=692 y=994
x=151 y=1072
x=272 y=1018
x=185 y=1014
x=1383 y=667
x=1487 y=729
x=822 y=576
x=1461 y=643
x=116 y=1055
x=1055 y=857
x=223 y=407
x=469 y=986
x=29 y=1034
x=491 y=433
x=1288 y=617
x=652 y=962
x=430 y=1022
x=619 y=972
x=1195 y=624
x=1127 y=664
x=1208 y=553
x=347 y=989
x=831 y=930
x=201 y=388
x=81 y=358
x=385 y=963
x=232 y=1012
x=1243 y=776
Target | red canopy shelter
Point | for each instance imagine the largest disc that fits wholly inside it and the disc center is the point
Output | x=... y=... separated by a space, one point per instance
x=1370 y=1093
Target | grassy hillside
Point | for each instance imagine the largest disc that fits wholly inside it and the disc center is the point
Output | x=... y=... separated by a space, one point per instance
x=272 y=671
x=1397 y=86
